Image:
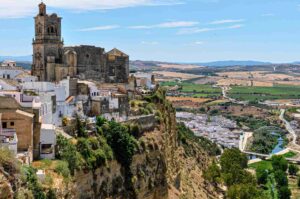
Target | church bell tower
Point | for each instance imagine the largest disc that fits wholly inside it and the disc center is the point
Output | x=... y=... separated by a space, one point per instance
x=47 y=44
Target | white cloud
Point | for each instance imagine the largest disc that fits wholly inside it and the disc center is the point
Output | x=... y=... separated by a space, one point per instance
x=109 y=27
x=188 y=31
x=175 y=24
x=198 y=42
x=235 y=26
x=24 y=8
x=194 y=30
x=224 y=21
x=152 y=43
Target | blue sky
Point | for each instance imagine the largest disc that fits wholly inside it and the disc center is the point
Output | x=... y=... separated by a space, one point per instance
x=165 y=30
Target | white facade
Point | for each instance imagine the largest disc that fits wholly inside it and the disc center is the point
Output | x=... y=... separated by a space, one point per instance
x=13 y=94
x=26 y=78
x=4 y=85
x=6 y=73
x=9 y=140
x=9 y=63
x=47 y=141
x=113 y=103
x=39 y=86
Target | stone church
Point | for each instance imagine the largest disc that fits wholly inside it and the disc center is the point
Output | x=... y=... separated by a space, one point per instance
x=53 y=62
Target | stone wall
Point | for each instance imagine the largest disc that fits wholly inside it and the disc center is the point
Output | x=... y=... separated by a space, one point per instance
x=90 y=61
x=146 y=123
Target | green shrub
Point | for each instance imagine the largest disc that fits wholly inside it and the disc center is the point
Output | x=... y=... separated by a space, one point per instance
x=100 y=157
x=261 y=175
x=122 y=143
x=213 y=173
x=293 y=169
x=68 y=152
x=279 y=163
x=135 y=130
x=33 y=184
x=100 y=121
x=62 y=168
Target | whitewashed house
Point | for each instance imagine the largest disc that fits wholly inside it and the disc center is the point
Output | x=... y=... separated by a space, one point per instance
x=47 y=141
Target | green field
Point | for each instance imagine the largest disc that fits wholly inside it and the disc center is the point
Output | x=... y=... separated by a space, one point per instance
x=270 y=192
x=264 y=93
x=196 y=90
x=289 y=154
x=266 y=164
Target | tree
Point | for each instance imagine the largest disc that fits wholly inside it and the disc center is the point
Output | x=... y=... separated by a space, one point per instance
x=233 y=160
x=121 y=142
x=81 y=131
x=284 y=192
x=293 y=169
x=298 y=182
x=281 y=178
x=239 y=176
x=261 y=175
x=244 y=191
x=100 y=121
x=67 y=151
x=33 y=183
x=279 y=163
x=213 y=173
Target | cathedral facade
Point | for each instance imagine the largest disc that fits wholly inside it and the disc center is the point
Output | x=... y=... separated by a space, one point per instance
x=52 y=61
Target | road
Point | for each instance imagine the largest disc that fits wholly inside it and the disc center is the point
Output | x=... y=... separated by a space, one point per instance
x=288 y=127
x=225 y=89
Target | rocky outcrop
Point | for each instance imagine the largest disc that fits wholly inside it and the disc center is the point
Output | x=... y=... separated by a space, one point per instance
x=161 y=169
x=6 y=191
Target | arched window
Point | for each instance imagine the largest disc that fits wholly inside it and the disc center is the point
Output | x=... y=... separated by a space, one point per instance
x=51 y=29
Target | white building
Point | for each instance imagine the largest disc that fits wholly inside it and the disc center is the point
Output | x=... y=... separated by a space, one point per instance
x=9 y=63
x=47 y=141
x=9 y=140
x=8 y=85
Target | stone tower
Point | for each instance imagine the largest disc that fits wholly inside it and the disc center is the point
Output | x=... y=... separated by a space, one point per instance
x=47 y=45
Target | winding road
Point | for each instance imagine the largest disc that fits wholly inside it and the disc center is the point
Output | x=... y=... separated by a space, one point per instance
x=288 y=127
x=224 y=93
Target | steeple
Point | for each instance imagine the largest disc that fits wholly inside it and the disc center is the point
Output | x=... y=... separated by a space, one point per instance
x=42 y=9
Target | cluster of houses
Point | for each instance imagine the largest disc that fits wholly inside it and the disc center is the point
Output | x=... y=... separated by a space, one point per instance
x=218 y=129
x=31 y=111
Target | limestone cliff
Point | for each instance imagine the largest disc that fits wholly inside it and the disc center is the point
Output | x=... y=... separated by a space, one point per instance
x=162 y=168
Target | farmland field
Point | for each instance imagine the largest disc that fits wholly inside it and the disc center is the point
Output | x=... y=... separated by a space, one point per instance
x=196 y=90
x=265 y=93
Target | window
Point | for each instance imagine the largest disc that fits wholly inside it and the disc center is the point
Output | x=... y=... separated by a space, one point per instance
x=47 y=149
x=8 y=76
x=12 y=123
x=4 y=125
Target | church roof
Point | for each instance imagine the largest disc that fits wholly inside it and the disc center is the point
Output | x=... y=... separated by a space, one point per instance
x=117 y=52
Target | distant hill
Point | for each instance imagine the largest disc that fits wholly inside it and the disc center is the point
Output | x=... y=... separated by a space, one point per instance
x=23 y=61
x=138 y=64
x=26 y=58
x=233 y=63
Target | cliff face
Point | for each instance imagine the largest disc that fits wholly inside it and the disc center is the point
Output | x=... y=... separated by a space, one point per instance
x=161 y=169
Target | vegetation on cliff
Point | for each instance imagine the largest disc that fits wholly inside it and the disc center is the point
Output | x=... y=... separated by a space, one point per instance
x=232 y=173
x=185 y=134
